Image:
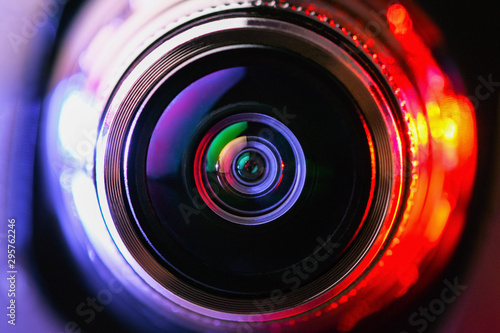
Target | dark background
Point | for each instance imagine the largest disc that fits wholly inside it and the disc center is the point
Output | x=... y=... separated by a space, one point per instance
x=472 y=31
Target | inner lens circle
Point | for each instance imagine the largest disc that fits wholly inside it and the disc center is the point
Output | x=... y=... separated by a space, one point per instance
x=250 y=167
x=228 y=175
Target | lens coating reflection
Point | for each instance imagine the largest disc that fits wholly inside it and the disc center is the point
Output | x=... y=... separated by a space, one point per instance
x=237 y=200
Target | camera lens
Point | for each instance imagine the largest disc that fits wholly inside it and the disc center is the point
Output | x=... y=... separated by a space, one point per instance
x=231 y=160
x=247 y=150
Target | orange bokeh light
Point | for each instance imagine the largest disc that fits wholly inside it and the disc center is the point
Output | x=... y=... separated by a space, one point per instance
x=399 y=19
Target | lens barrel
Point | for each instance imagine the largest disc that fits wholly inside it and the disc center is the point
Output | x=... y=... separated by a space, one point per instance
x=263 y=163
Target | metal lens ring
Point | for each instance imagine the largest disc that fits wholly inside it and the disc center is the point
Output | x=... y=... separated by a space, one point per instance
x=250 y=169
x=186 y=260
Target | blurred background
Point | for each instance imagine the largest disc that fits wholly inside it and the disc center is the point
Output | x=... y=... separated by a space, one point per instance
x=470 y=29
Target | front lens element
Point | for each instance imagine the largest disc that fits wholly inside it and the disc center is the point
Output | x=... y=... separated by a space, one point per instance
x=254 y=157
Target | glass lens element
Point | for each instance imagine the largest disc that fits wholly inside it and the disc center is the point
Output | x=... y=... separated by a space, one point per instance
x=240 y=172
x=250 y=166
x=256 y=159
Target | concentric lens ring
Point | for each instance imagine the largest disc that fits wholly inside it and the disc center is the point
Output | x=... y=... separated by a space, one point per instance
x=276 y=190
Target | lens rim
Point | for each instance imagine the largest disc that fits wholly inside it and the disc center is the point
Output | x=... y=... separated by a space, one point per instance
x=375 y=99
